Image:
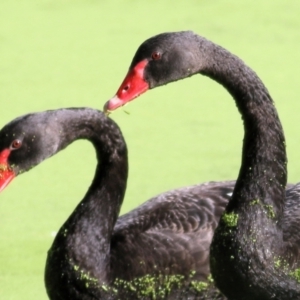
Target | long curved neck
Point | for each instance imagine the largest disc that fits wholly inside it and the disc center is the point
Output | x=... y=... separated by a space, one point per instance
x=249 y=238
x=87 y=232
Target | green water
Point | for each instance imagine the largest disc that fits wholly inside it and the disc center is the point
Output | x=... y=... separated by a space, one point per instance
x=75 y=53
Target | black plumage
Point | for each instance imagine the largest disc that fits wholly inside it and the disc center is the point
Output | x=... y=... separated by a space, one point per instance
x=255 y=250
x=157 y=251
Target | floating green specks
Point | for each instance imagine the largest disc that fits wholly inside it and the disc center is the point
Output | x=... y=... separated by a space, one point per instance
x=230 y=219
x=269 y=208
x=210 y=278
x=296 y=274
x=158 y=286
x=85 y=277
x=277 y=263
x=270 y=211
x=192 y=274
x=254 y=202
x=199 y=286
x=282 y=264
x=155 y=287
x=104 y=287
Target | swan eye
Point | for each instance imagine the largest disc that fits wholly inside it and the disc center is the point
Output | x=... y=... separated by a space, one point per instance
x=156 y=55
x=16 y=144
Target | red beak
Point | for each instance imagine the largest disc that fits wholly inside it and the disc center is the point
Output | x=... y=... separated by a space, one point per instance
x=132 y=86
x=6 y=173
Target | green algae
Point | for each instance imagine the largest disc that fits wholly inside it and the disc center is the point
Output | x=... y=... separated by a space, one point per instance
x=268 y=207
x=254 y=202
x=277 y=263
x=210 y=278
x=199 y=286
x=88 y=280
x=270 y=211
x=160 y=286
x=85 y=277
x=281 y=263
x=152 y=286
x=149 y=286
x=284 y=265
x=230 y=219
x=296 y=274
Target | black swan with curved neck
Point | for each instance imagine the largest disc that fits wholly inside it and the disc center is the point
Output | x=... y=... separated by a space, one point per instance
x=255 y=249
x=157 y=251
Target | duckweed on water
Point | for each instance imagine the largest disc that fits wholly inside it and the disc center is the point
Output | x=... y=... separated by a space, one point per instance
x=230 y=219
x=254 y=202
x=269 y=208
x=149 y=286
x=210 y=278
x=199 y=286
x=296 y=274
x=278 y=262
x=88 y=280
x=270 y=211
x=160 y=286
x=284 y=265
x=154 y=287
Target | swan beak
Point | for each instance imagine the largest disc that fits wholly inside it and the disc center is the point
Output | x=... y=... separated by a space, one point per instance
x=132 y=86
x=6 y=176
x=6 y=172
x=112 y=104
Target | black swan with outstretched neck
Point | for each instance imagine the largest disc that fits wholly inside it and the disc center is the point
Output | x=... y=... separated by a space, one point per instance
x=255 y=249
x=157 y=251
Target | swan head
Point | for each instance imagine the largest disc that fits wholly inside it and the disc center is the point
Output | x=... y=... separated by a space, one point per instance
x=164 y=58
x=24 y=143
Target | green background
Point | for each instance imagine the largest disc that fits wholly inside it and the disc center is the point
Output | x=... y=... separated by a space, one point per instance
x=63 y=53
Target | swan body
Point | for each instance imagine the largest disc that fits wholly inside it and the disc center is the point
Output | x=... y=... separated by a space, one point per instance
x=255 y=249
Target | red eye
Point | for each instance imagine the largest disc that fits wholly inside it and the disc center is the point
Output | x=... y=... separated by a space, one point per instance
x=16 y=144
x=156 y=55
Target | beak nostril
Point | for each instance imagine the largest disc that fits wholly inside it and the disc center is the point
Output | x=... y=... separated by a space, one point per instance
x=126 y=88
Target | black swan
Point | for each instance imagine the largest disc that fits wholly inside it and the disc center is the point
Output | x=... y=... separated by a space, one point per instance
x=255 y=249
x=157 y=251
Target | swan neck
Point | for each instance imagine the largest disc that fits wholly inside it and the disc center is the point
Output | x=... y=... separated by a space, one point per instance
x=249 y=236
x=90 y=226
x=263 y=173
